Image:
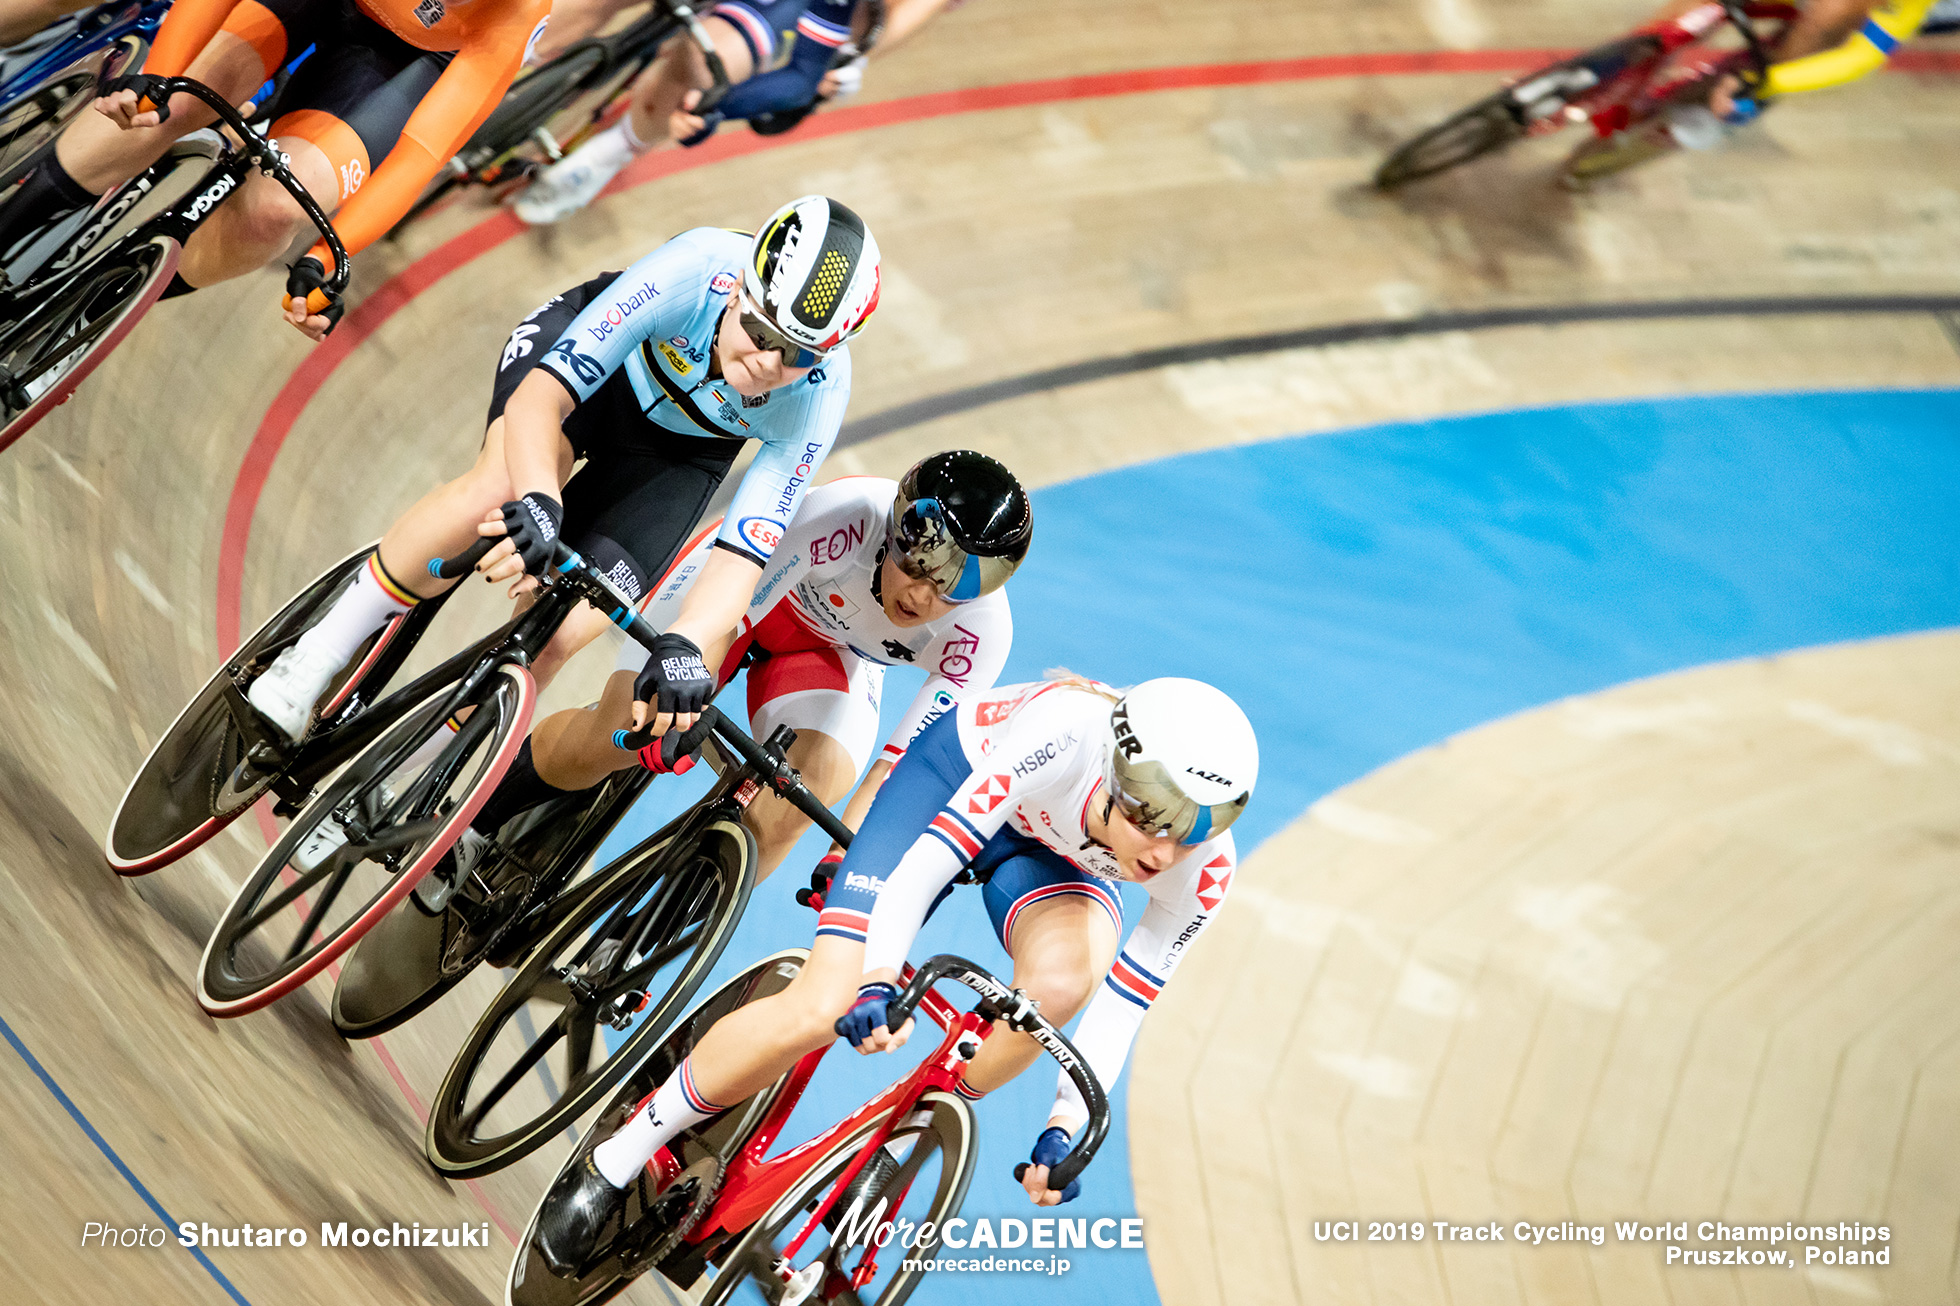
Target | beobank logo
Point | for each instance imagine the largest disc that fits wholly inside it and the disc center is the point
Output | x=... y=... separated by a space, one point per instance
x=614 y=314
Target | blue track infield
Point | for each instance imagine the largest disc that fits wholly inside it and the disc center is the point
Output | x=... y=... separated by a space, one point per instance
x=1369 y=593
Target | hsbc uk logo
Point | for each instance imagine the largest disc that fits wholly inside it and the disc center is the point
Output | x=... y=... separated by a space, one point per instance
x=991 y=794
x=1213 y=881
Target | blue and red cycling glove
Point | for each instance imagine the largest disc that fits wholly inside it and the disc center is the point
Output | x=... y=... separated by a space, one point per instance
x=868 y=1013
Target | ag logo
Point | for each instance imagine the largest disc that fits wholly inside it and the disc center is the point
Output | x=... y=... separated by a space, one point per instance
x=584 y=367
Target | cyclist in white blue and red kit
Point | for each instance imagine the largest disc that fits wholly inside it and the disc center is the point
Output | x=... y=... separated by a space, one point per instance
x=1052 y=793
x=782 y=58
x=873 y=573
x=655 y=376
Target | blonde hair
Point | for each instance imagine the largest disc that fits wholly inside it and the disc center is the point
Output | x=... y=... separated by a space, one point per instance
x=1063 y=676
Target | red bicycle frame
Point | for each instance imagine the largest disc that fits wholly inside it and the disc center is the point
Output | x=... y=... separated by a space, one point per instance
x=1632 y=94
x=752 y=1185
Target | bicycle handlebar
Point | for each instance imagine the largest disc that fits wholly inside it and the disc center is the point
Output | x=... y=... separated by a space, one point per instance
x=272 y=164
x=1757 y=54
x=1023 y=1016
x=782 y=778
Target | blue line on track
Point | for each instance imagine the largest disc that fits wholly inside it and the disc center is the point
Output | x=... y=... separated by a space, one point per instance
x=68 y=1105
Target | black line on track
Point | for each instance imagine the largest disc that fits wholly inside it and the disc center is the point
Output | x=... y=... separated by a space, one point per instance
x=951 y=402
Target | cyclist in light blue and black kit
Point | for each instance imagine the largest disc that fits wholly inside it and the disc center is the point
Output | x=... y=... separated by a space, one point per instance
x=655 y=376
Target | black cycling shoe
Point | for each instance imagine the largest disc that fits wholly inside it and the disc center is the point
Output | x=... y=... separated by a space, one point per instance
x=864 y=1190
x=575 y=1212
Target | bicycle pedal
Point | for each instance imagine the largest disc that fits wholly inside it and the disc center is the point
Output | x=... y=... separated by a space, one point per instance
x=799 y=1287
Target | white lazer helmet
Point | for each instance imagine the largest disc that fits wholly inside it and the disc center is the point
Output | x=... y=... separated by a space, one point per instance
x=1183 y=759
x=811 y=280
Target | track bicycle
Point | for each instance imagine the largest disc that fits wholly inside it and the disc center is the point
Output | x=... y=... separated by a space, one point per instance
x=625 y=949
x=1623 y=90
x=808 y=1225
x=97 y=281
x=361 y=767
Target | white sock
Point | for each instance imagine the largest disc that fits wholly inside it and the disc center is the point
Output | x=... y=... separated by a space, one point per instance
x=434 y=744
x=674 y=1107
x=609 y=150
x=900 y=1148
x=632 y=138
x=358 y=613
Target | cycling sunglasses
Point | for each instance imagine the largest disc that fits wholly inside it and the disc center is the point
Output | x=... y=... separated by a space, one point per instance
x=766 y=337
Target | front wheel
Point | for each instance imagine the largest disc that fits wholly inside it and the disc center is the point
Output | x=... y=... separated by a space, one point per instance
x=859 y=1262
x=357 y=850
x=628 y=959
x=1489 y=124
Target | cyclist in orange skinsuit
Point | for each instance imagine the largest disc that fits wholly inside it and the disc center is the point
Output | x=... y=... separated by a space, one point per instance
x=392 y=90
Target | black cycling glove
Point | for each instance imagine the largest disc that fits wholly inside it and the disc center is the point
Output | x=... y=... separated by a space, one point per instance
x=145 y=87
x=307 y=276
x=532 y=523
x=675 y=678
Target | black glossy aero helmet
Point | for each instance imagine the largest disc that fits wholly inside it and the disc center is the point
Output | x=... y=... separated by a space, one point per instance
x=961 y=521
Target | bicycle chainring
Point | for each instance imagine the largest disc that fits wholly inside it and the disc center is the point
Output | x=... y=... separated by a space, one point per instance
x=674 y=1213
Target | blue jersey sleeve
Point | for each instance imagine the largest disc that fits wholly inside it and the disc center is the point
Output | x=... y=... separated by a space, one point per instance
x=785 y=467
x=652 y=299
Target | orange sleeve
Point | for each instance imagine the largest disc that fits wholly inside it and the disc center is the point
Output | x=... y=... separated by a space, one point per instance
x=449 y=114
x=186 y=29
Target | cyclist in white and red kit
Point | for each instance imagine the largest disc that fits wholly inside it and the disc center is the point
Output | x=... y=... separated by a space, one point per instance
x=1051 y=792
x=871 y=573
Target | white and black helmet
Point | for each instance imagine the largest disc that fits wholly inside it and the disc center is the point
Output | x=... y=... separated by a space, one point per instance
x=1183 y=760
x=811 y=280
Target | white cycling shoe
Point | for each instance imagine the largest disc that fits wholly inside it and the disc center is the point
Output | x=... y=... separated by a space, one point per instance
x=574 y=181
x=286 y=691
x=432 y=894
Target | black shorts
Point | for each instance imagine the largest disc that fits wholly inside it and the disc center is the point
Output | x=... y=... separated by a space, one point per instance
x=642 y=487
x=359 y=73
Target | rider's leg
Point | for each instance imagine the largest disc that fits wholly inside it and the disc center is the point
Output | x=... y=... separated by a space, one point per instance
x=20 y=19
x=441 y=524
x=741 y=1054
x=575 y=180
x=1062 y=946
x=256 y=225
x=830 y=697
x=827 y=769
x=571 y=22
x=94 y=155
x=682 y=67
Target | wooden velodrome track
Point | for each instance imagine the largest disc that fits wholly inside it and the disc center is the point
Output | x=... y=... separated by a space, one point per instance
x=216 y=462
